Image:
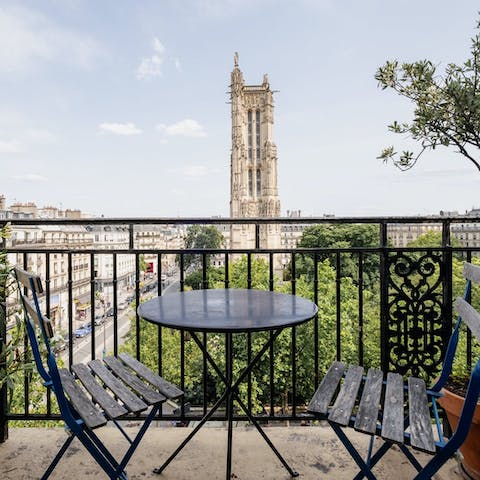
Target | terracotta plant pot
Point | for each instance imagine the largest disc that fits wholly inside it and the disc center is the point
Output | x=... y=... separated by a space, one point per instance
x=453 y=404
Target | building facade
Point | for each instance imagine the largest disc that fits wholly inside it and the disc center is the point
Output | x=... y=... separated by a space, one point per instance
x=253 y=169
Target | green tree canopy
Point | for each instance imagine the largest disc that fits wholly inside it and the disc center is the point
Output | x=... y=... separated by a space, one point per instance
x=431 y=238
x=201 y=237
x=447 y=106
x=341 y=236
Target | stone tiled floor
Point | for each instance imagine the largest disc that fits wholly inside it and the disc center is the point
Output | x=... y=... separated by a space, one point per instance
x=314 y=452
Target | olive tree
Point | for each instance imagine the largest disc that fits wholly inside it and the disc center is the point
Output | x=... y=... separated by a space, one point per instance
x=447 y=106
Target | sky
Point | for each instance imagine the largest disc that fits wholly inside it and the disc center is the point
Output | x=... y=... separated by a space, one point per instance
x=120 y=108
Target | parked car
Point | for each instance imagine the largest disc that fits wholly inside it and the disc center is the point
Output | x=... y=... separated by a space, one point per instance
x=99 y=319
x=109 y=312
x=83 y=331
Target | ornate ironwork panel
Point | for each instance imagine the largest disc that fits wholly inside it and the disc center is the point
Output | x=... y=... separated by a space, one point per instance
x=415 y=312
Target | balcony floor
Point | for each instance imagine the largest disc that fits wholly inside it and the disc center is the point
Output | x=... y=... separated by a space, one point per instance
x=314 y=452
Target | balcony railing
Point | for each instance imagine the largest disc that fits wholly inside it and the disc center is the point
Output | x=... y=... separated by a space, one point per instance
x=378 y=305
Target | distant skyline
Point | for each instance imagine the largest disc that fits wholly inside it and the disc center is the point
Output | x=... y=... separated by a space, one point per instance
x=121 y=108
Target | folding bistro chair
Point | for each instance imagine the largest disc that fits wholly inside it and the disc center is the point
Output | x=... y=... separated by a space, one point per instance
x=93 y=393
x=345 y=398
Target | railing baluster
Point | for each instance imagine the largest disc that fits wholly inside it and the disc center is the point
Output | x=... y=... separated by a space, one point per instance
x=47 y=298
x=384 y=360
x=137 y=303
x=93 y=332
x=468 y=351
x=182 y=272
x=70 y=309
x=115 y=307
x=92 y=293
x=338 y=309
x=272 y=346
x=159 y=328
x=26 y=389
x=360 y=308
x=315 y=325
x=204 y=271
x=227 y=279
x=205 y=374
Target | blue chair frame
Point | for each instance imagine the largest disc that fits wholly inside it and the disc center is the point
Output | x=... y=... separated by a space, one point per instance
x=444 y=449
x=75 y=425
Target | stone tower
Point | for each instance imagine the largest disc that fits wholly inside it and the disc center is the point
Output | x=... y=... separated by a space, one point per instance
x=253 y=169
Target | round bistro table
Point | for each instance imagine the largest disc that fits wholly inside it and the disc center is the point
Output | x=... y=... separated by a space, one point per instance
x=229 y=311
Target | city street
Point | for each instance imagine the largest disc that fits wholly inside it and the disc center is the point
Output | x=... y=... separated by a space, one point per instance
x=104 y=334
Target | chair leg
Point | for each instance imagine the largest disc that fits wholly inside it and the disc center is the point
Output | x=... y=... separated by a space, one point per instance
x=100 y=452
x=383 y=449
x=138 y=438
x=411 y=458
x=58 y=456
x=434 y=464
x=101 y=448
x=104 y=461
x=365 y=469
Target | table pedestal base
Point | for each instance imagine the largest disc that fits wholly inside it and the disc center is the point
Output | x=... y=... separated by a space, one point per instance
x=230 y=395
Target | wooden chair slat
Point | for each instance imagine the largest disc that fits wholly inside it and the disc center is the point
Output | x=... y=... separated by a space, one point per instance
x=130 y=400
x=32 y=311
x=421 y=434
x=393 y=410
x=168 y=389
x=343 y=406
x=149 y=395
x=88 y=412
x=367 y=415
x=469 y=316
x=325 y=391
x=99 y=395
x=24 y=278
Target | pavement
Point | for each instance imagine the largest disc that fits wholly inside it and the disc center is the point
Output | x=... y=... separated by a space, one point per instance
x=314 y=451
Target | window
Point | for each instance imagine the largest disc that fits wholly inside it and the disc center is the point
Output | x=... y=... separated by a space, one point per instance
x=257 y=132
x=250 y=184
x=250 y=136
x=259 y=183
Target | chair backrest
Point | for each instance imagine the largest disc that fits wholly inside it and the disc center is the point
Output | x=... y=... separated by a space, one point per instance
x=471 y=318
x=472 y=275
x=29 y=288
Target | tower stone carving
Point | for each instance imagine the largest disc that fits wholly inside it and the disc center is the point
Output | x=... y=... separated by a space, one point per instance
x=253 y=169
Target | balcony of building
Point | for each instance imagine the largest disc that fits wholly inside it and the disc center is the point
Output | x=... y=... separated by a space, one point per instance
x=360 y=289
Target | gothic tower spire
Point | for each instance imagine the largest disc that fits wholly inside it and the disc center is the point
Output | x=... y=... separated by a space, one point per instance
x=253 y=180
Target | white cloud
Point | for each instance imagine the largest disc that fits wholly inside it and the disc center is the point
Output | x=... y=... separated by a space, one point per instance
x=33 y=39
x=152 y=66
x=30 y=177
x=185 y=128
x=10 y=146
x=120 y=128
x=178 y=65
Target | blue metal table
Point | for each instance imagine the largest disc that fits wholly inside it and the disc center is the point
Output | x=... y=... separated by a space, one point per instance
x=229 y=311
